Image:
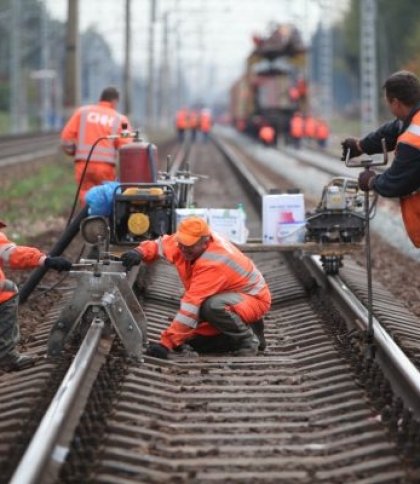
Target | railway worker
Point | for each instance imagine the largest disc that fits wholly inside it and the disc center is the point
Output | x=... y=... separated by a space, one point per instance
x=297 y=129
x=193 y=123
x=322 y=132
x=17 y=257
x=225 y=295
x=205 y=124
x=181 y=123
x=402 y=178
x=85 y=126
x=309 y=127
x=267 y=135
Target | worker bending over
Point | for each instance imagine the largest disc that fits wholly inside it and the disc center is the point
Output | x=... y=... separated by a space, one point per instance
x=225 y=294
x=17 y=257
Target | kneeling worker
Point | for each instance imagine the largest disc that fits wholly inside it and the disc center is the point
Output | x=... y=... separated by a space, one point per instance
x=225 y=294
x=17 y=257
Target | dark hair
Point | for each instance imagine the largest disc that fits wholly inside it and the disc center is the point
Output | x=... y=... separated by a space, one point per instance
x=404 y=86
x=110 y=93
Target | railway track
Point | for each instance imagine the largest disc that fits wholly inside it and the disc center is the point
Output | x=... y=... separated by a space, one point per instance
x=17 y=149
x=312 y=408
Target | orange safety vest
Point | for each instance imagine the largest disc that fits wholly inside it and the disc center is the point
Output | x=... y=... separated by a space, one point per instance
x=296 y=127
x=267 y=134
x=221 y=268
x=181 y=120
x=410 y=205
x=193 y=121
x=16 y=257
x=205 y=122
x=321 y=131
x=89 y=123
x=309 y=127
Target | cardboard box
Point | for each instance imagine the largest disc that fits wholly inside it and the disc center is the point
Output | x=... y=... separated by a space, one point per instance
x=230 y=223
x=283 y=218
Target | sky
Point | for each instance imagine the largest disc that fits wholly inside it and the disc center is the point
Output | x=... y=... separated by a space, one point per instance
x=215 y=35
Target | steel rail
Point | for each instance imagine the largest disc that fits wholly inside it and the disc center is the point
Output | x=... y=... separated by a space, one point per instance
x=403 y=374
x=49 y=445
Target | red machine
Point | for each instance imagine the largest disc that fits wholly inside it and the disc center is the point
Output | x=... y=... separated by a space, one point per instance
x=138 y=162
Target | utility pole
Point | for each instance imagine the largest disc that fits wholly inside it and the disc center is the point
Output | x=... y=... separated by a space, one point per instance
x=326 y=57
x=17 y=94
x=368 y=63
x=165 y=70
x=72 y=62
x=127 y=61
x=46 y=78
x=150 y=105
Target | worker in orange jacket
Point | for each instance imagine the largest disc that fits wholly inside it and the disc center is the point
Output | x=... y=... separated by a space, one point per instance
x=205 y=124
x=267 y=135
x=225 y=295
x=83 y=129
x=181 y=123
x=17 y=257
x=297 y=129
x=322 y=132
x=193 y=124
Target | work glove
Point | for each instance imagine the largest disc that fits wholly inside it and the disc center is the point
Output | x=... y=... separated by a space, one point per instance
x=352 y=145
x=131 y=258
x=8 y=286
x=157 y=351
x=58 y=263
x=366 y=178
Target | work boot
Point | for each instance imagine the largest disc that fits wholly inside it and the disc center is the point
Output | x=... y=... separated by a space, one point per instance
x=249 y=348
x=15 y=361
x=258 y=328
x=184 y=351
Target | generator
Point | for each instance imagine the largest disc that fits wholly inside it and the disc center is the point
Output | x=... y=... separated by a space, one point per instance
x=142 y=211
x=340 y=215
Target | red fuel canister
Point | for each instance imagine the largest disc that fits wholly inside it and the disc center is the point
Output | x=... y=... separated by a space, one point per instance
x=138 y=162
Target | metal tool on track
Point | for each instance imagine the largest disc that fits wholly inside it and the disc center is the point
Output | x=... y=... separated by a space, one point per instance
x=367 y=164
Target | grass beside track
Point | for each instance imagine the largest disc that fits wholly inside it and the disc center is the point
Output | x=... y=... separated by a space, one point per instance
x=36 y=198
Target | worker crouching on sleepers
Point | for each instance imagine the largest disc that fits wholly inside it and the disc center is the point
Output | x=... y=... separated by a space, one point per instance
x=225 y=294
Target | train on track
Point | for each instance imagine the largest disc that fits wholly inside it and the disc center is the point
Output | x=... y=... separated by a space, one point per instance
x=273 y=86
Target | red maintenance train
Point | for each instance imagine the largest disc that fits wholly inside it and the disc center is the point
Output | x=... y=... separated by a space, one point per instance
x=273 y=85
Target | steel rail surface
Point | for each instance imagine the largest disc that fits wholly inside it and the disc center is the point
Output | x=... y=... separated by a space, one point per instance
x=401 y=363
x=407 y=374
x=45 y=451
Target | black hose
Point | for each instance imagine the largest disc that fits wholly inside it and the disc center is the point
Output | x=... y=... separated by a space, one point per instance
x=62 y=243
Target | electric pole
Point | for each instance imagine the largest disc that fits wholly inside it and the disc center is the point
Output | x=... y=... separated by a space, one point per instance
x=46 y=78
x=368 y=62
x=326 y=57
x=127 y=61
x=17 y=94
x=150 y=106
x=72 y=62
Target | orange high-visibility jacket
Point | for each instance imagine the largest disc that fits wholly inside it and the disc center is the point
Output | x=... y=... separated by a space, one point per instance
x=221 y=268
x=410 y=205
x=16 y=257
x=89 y=123
x=309 y=127
x=193 y=120
x=297 y=126
x=267 y=134
x=182 y=120
x=322 y=131
x=205 y=122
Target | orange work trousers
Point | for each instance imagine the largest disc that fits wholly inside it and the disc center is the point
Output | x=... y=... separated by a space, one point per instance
x=97 y=172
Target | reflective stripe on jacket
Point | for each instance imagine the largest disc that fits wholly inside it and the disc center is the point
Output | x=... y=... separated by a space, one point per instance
x=16 y=257
x=221 y=268
x=88 y=124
